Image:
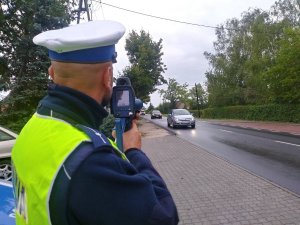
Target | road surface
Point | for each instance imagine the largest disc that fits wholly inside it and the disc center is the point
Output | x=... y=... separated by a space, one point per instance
x=272 y=156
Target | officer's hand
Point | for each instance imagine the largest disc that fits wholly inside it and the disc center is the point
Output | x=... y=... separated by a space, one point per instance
x=132 y=138
x=137 y=115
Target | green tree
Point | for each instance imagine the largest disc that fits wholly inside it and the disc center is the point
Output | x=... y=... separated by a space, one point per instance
x=286 y=11
x=245 y=51
x=284 y=76
x=175 y=93
x=164 y=107
x=145 y=56
x=195 y=102
x=150 y=108
x=23 y=65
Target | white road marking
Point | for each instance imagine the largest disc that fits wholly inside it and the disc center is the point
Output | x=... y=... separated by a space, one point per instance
x=226 y=131
x=287 y=143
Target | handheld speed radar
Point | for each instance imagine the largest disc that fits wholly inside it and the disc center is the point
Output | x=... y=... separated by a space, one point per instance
x=123 y=99
x=124 y=105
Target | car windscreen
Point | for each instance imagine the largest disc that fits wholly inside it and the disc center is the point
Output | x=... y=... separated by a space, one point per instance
x=156 y=111
x=181 y=112
x=4 y=136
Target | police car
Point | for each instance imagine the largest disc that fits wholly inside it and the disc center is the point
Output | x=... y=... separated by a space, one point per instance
x=7 y=140
x=7 y=204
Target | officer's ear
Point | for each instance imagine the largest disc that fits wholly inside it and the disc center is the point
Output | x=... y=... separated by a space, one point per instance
x=108 y=76
x=51 y=72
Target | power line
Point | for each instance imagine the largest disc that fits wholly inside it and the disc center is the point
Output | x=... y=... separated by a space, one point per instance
x=179 y=21
x=95 y=7
x=164 y=18
x=102 y=10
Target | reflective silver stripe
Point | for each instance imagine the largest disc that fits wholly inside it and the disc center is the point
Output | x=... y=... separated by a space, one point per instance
x=52 y=118
x=66 y=172
x=96 y=133
x=99 y=135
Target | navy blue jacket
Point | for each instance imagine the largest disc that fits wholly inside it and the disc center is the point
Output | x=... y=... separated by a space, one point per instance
x=100 y=188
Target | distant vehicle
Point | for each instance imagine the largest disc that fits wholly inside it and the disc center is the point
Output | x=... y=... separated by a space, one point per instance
x=156 y=114
x=142 y=113
x=180 y=118
x=7 y=141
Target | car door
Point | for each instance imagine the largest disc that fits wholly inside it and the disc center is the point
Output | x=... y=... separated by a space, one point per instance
x=6 y=143
x=7 y=204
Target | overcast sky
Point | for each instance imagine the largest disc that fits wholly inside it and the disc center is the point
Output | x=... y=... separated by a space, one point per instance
x=183 y=45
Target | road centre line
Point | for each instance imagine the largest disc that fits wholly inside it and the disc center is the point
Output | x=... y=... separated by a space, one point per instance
x=226 y=131
x=287 y=143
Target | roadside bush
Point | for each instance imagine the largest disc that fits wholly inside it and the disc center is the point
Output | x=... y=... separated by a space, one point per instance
x=107 y=125
x=196 y=113
x=272 y=112
x=15 y=121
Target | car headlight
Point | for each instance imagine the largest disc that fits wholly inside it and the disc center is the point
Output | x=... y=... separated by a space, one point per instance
x=193 y=119
x=176 y=119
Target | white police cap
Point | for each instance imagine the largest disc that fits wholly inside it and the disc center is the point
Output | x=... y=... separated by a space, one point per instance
x=90 y=42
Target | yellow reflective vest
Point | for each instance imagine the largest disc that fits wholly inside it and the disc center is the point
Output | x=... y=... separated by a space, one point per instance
x=42 y=147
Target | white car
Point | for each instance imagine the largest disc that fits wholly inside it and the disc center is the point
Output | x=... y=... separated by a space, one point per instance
x=180 y=118
x=7 y=141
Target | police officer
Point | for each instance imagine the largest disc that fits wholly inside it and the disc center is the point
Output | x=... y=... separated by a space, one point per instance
x=66 y=171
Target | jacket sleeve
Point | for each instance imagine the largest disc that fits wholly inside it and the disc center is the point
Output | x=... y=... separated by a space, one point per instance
x=108 y=190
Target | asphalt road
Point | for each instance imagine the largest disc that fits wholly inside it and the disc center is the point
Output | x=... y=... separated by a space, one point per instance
x=272 y=156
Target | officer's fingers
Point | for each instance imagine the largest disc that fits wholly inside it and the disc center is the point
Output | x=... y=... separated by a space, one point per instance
x=132 y=138
x=134 y=124
x=133 y=130
x=137 y=115
x=113 y=133
x=133 y=127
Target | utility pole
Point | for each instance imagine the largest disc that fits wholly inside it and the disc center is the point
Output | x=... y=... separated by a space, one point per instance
x=82 y=8
x=197 y=100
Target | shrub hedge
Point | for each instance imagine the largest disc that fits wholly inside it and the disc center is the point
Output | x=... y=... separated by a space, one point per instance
x=272 y=112
x=107 y=125
x=15 y=120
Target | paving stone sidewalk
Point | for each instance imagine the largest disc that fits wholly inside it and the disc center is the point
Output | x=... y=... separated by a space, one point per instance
x=210 y=191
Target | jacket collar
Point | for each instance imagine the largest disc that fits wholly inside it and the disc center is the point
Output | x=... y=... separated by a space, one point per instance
x=73 y=105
